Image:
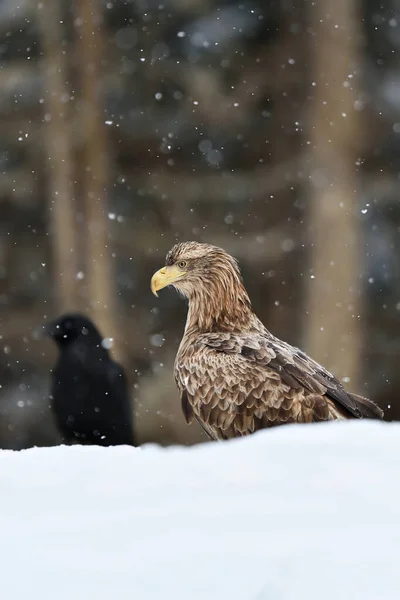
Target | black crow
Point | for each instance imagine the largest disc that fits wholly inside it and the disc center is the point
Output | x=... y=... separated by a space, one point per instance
x=89 y=390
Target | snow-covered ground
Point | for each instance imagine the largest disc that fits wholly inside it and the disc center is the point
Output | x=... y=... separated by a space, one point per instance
x=296 y=513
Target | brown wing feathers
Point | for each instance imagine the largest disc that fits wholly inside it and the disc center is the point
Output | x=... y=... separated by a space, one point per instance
x=305 y=374
x=237 y=384
x=186 y=408
x=368 y=409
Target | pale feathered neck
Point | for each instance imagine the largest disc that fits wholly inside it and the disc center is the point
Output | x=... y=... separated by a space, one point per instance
x=220 y=303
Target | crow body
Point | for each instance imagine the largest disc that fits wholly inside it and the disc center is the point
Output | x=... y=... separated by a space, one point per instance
x=89 y=390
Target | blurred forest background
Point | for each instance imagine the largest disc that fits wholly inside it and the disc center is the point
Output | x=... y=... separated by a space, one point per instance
x=271 y=128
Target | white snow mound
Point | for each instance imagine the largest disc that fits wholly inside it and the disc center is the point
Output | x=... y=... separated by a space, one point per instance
x=294 y=513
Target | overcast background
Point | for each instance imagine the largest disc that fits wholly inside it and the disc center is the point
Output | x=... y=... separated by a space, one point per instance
x=269 y=128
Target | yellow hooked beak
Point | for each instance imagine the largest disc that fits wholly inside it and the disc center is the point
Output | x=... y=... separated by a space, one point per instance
x=164 y=277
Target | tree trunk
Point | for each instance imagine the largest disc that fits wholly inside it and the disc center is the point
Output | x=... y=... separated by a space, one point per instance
x=100 y=276
x=333 y=331
x=59 y=165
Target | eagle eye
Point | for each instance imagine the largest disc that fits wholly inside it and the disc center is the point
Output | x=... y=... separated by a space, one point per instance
x=182 y=264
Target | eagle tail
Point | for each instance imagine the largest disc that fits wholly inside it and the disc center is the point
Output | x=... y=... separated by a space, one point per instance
x=368 y=408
